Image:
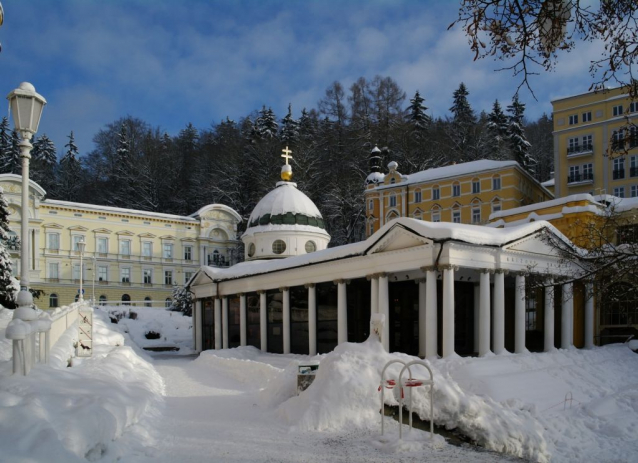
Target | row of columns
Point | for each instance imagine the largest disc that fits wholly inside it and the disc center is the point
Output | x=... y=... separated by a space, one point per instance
x=489 y=322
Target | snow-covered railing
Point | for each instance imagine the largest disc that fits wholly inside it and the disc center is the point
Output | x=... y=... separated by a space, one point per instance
x=47 y=329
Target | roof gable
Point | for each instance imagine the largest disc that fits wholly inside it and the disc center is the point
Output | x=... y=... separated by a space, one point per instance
x=397 y=238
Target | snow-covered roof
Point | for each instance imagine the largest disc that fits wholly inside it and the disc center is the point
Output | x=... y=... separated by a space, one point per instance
x=550 y=182
x=286 y=200
x=375 y=177
x=439 y=231
x=116 y=210
x=456 y=170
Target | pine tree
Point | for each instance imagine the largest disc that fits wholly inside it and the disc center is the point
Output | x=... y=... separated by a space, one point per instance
x=462 y=126
x=266 y=124
x=5 y=145
x=182 y=301
x=70 y=172
x=417 y=117
x=11 y=162
x=43 y=163
x=289 y=128
x=519 y=145
x=7 y=282
x=498 y=127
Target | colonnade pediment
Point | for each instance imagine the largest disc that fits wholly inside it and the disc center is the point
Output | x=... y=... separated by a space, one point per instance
x=398 y=238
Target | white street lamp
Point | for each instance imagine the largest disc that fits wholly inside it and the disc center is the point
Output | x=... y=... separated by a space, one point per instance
x=26 y=105
x=81 y=246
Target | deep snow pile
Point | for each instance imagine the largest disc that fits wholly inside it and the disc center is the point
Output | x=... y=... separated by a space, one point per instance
x=510 y=403
x=175 y=329
x=98 y=408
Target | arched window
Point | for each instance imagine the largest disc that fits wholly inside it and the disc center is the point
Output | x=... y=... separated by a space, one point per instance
x=418 y=214
x=456 y=189
x=496 y=205
x=102 y=299
x=168 y=302
x=126 y=299
x=476 y=212
x=456 y=213
x=53 y=300
x=436 y=214
x=148 y=301
x=391 y=216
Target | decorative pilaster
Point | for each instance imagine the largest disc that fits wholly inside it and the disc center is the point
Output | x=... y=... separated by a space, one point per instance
x=499 y=312
x=225 y=322
x=285 y=292
x=374 y=293
x=519 y=314
x=218 y=323
x=312 y=319
x=263 y=321
x=549 y=316
x=448 y=310
x=242 y=319
x=484 y=313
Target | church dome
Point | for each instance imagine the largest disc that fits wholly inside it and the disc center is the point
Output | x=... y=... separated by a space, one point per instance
x=284 y=223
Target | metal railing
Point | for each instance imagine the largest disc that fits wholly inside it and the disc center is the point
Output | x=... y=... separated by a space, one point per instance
x=584 y=177
x=580 y=149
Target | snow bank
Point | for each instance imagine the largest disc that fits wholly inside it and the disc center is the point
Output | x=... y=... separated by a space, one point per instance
x=99 y=407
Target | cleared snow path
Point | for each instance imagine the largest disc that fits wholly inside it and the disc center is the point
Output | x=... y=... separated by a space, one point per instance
x=211 y=417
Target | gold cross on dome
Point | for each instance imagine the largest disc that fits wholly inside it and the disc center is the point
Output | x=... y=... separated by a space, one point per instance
x=287 y=154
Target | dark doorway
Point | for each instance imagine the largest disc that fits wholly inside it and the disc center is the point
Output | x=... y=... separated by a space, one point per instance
x=253 y=334
x=233 y=321
x=463 y=318
x=326 y=317
x=404 y=317
x=358 y=292
x=208 y=325
x=299 y=320
x=275 y=326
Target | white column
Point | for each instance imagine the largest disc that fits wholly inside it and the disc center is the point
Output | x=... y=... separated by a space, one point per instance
x=519 y=315
x=242 y=319
x=499 y=312
x=374 y=294
x=484 y=313
x=477 y=315
x=448 y=312
x=422 y=316
x=225 y=322
x=286 y=317
x=549 y=317
x=431 y=328
x=197 y=325
x=263 y=321
x=589 y=316
x=342 y=312
x=218 y=323
x=312 y=319
x=567 y=314
x=384 y=308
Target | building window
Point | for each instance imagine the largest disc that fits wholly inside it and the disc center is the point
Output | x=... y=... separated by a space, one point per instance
x=168 y=250
x=619 y=192
x=371 y=205
x=417 y=196
x=418 y=215
x=436 y=214
x=188 y=252
x=126 y=299
x=125 y=273
x=588 y=143
x=310 y=246
x=496 y=206
x=456 y=215
x=168 y=277
x=634 y=191
x=573 y=119
x=251 y=249
x=496 y=183
x=393 y=201
x=456 y=189
x=574 y=174
x=476 y=186
x=168 y=302
x=53 y=270
x=393 y=181
x=53 y=300
x=619 y=168
x=587 y=116
x=530 y=310
x=53 y=241
x=76 y=272
x=76 y=240
x=633 y=107
x=617 y=110
x=371 y=231
x=436 y=193
x=572 y=145
x=633 y=166
x=148 y=276
x=125 y=247
x=633 y=137
x=588 y=171
x=102 y=299
x=187 y=276
x=476 y=213
x=278 y=247
x=148 y=302
x=102 y=245
x=618 y=140
x=103 y=273
x=147 y=249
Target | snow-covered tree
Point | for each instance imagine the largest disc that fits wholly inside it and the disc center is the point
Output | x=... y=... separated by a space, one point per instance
x=266 y=124
x=7 y=282
x=462 y=125
x=70 y=172
x=519 y=145
x=43 y=163
x=10 y=162
x=182 y=301
x=418 y=118
x=5 y=145
x=498 y=129
x=289 y=128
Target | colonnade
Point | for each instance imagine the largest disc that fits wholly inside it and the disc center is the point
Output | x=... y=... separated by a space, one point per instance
x=489 y=329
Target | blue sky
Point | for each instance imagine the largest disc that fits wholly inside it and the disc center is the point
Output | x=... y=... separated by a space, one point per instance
x=174 y=62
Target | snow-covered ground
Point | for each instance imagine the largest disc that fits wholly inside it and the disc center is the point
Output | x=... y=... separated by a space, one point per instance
x=239 y=405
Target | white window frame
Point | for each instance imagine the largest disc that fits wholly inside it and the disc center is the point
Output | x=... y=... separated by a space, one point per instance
x=587 y=116
x=188 y=252
x=144 y=249
x=187 y=276
x=75 y=239
x=634 y=191
x=497 y=206
x=53 y=239
x=102 y=240
x=167 y=250
x=147 y=272
x=456 y=189
x=53 y=270
x=476 y=186
x=456 y=215
x=75 y=269
x=588 y=169
x=125 y=275
x=476 y=213
x=392 y=200
x=619 y=191
x=573 y=119
x=436 y=193
x=103 y=273
x=168 y=277
x=122 y=246
x=617 y=110
x=418 y=197
x=496 y=182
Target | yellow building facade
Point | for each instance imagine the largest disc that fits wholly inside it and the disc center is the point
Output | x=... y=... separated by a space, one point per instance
x=461 y=193
x=131 y=256
x=595 y=147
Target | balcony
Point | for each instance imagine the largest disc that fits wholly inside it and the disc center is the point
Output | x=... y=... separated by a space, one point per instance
x=580 y=149
x=618 y=174
x=581 y=178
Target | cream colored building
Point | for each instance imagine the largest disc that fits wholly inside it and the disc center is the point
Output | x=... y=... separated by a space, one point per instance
x=587 y=129
x=130 y=256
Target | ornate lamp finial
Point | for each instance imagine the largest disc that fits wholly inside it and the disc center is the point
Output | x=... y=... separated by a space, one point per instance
x=286 y=169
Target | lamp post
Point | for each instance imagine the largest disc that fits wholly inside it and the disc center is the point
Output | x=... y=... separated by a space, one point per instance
x=26 y=105
x=81 y=246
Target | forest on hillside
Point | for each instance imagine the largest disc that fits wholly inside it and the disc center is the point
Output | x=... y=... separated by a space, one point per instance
x=136 y=165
